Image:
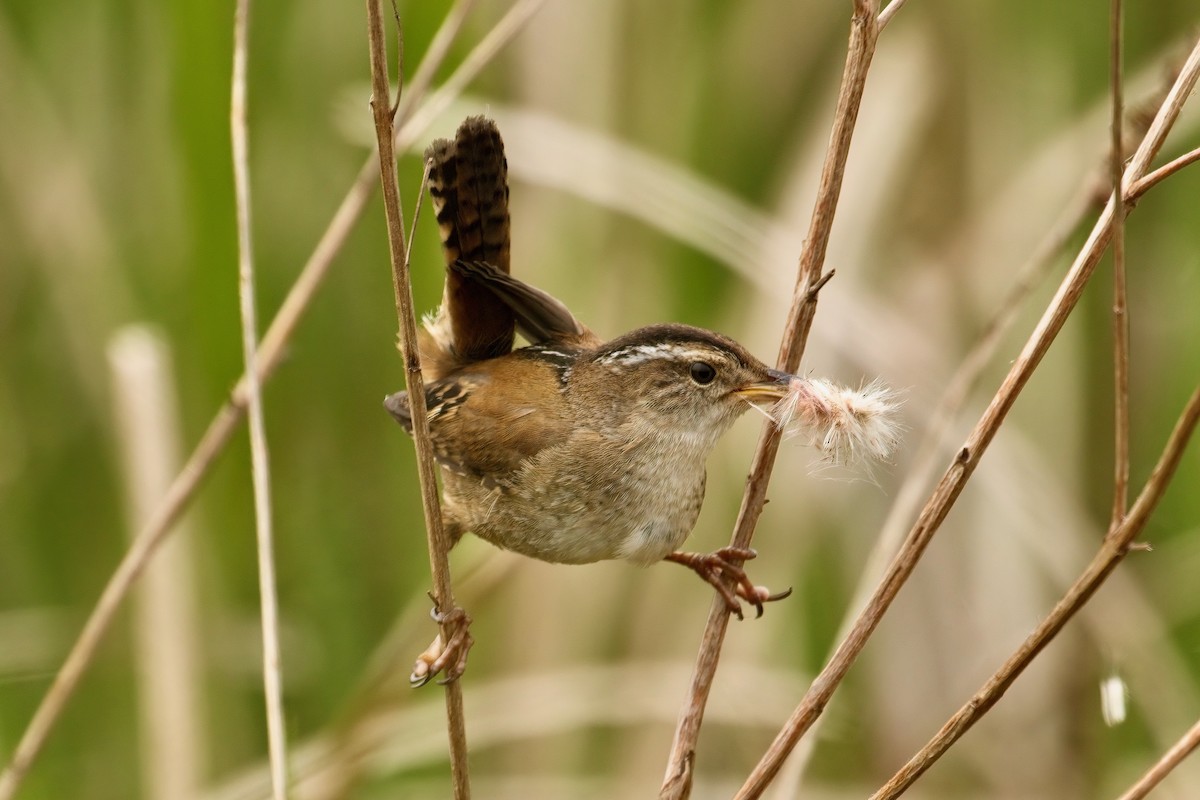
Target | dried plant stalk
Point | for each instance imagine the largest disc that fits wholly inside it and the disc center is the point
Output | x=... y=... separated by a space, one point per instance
x=1087 y=199
x=967 y=459
x=864 y=31
x=439 y=543
x=1170 y=759
x=1142 y=185
x=260 y=462
x=1120 y=320
x=220 y=430
x=1116 y=546
x=166 y=629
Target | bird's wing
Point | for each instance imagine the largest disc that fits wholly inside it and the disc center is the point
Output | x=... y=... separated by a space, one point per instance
x=541 y=318
x=485 y=423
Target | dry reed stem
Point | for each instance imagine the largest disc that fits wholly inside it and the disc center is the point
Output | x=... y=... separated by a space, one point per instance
x=1116 y=546
x=864 y=31
x=224 y=423
x=397 y=737
x=439 y=543
x=1142 y=185
x=260 y=461
x=1120 y=310
x=1088 y=197
x=416 y=86
x=886 y=15
x=166 y=628
x=501 y=33
x=1170 y=759
x=967 y=459
x=924 y=463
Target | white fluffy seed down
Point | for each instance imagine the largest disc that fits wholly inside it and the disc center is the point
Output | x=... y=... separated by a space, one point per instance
x=846 y=425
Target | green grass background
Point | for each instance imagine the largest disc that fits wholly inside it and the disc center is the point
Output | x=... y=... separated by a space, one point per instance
x=116 y=208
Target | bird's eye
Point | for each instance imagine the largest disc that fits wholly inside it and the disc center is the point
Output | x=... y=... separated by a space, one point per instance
x=703 y=373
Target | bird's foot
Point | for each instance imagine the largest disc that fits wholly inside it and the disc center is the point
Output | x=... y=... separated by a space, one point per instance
x=448 y=651
x=723 y=569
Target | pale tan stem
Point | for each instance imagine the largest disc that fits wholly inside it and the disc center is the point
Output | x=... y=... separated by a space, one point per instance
x=1162 y=768
x=439 y=543
x=1141 y=186
x=270 y=353
x=892 y=9
x=967 y=459
x=864 y=31
x=259 y=456
x=1120 y=310
x=166 y=625
x=1116 y=546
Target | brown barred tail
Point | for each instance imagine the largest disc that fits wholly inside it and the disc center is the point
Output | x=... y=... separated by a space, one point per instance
x=468 y=182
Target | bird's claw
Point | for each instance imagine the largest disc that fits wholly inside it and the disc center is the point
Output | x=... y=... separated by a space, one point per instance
x=445 y=653
x=718 y=565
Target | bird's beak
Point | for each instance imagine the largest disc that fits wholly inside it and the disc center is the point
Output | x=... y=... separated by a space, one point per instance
x=772 y=390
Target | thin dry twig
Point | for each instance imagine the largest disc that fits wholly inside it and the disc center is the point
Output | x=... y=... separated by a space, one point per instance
x=967 y=459
x=1170 y=759
x=259 y=457
x=1087 y=198
x=416 y=86
x=892 y=9
x=439 y=543
x=517 y=17
x=220 y=430
x=924 y=463
x=1120 y=313
x=864 y=32
x=1140 y=186
x=1116 y=546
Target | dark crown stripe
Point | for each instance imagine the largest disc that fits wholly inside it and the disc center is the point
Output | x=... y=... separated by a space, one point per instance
x=641 y=344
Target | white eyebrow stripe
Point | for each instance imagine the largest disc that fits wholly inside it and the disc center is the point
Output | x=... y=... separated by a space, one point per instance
x=639 y=353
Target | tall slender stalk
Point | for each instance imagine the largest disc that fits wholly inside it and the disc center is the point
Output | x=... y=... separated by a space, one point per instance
x=864 y=31
x=271 y=351
x=259 y=458
x=967 y=459
x=1116 y=546
x=1120 y=310
x=439 y=543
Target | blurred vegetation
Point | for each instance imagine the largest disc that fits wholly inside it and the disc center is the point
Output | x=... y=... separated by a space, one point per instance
x=979 y=120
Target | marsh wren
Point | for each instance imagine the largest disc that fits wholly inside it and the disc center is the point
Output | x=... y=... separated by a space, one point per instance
x=572 y=449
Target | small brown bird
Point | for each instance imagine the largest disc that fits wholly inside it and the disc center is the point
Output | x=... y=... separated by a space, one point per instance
x=572 y=449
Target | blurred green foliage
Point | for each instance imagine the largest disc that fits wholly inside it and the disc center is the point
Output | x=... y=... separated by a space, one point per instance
x=116 y=208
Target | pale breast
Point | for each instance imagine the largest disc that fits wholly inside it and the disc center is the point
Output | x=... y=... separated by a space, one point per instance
x=586 y=501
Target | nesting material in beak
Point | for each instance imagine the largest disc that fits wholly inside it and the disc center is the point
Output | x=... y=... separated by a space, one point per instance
x=846 y=425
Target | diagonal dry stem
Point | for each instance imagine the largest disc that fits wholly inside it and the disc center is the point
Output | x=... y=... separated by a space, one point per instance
x=1162 y=768
x=967 y=459
x=890 y=11
x=1116 y=546
x=439 y=544
x=864 y=32
x=1087 y=199
x=1142 y=185
x=924 y=463
x=220 y=430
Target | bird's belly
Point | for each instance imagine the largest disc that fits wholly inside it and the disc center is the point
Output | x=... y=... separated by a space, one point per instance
x=565 y=521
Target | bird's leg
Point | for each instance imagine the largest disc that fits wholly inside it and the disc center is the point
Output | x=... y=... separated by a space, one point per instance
x=449 y=655
x=723 y=569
